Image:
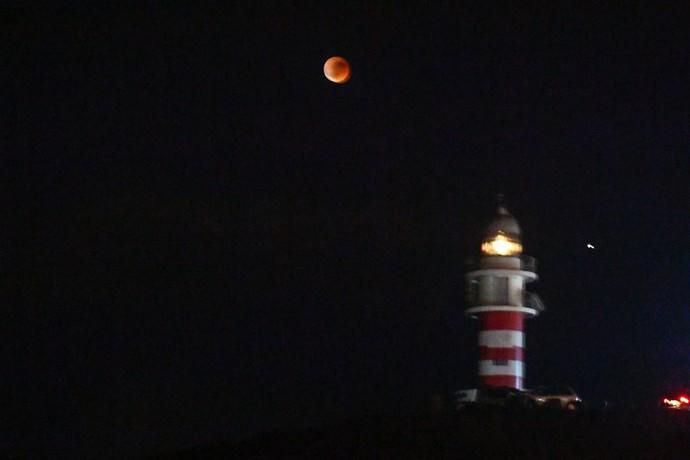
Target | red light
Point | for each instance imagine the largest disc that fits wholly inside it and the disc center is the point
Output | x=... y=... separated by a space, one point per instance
x=684 y=399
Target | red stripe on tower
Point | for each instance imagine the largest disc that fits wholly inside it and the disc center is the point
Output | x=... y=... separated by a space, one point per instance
x=503 y=320
x=502 y=381
x=514 y=353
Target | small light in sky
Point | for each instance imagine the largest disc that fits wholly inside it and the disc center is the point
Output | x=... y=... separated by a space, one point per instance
x=590 y=246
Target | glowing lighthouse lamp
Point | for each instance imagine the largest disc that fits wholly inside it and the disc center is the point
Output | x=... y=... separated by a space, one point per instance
x=501 y=245
x=496 y=296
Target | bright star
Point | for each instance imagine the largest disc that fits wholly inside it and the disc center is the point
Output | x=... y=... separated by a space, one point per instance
x=590 y=246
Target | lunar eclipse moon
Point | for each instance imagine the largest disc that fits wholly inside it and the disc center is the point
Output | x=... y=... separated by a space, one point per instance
x=337 y=69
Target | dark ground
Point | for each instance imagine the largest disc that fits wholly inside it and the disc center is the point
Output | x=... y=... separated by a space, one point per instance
x=595 y=434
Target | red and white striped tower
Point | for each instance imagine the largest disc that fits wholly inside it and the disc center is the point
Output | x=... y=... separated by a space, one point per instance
x=496 y=296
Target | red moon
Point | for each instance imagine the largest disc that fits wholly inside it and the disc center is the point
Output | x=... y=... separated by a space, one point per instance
x=337 y=69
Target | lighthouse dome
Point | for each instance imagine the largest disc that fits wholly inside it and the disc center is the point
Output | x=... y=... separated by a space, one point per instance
x=502 y=236
x=503 y=223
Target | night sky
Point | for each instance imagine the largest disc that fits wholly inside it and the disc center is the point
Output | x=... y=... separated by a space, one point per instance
x=203 y=238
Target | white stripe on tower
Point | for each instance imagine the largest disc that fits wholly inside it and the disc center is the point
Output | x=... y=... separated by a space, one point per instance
x=511 y=367
x=501 y=339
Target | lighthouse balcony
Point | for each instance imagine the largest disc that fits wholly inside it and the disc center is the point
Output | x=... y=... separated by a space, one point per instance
x=523 y=263
x=500 y=298
x=474 y=312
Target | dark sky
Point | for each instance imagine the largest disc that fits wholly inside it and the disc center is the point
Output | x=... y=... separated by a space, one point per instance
x=203 y=238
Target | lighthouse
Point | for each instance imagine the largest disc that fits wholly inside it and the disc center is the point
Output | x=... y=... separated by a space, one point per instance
x=496 y=296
